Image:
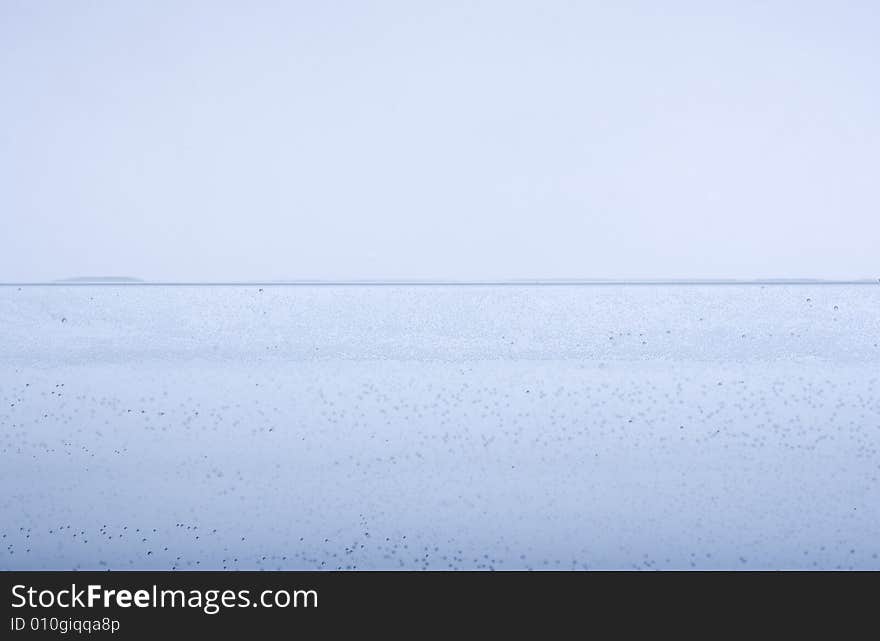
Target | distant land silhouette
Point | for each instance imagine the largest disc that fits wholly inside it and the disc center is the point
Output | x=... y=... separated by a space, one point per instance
x=128 y=280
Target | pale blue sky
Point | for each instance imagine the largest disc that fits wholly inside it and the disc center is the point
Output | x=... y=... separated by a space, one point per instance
x=264 y=140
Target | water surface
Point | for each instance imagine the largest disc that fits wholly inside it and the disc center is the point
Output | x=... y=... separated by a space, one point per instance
x=256 y=426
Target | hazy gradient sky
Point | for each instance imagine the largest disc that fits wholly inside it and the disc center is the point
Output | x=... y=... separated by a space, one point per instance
x=263 y=140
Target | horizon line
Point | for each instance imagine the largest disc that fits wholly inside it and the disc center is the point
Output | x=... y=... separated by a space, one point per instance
x=125 y=281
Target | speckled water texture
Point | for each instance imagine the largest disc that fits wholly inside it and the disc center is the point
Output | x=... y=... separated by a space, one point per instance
x=544 y=427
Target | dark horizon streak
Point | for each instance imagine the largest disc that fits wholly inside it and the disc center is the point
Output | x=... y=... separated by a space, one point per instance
x=439 y=283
